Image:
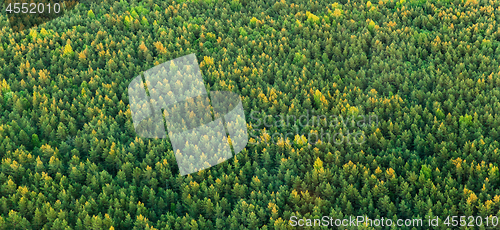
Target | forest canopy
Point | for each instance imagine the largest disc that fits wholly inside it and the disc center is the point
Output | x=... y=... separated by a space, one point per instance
x=428 y=70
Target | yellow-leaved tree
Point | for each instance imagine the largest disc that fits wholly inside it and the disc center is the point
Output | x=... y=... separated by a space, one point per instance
x=68 y=50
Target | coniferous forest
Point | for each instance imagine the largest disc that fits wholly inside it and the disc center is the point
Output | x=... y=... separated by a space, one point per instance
x=427 y=70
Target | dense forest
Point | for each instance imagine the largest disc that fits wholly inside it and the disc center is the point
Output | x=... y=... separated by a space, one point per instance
x=428 y=70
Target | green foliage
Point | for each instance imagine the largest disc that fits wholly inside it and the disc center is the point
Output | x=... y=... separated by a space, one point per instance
x=485 y=44
x=91 y=14
x=299 y=58
x=235 y=5
x=253 y=22
x=465 y=121
x=35 y=141
x=7 y=96
x=141 y=10
x=426 y=172
x=439 y=114
x=243 y=32
x=371 y=25
x=400 y=3
x=427 y=72
x=317 y=98
x=179 y=19
x=144 y=22
x=134 y=14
